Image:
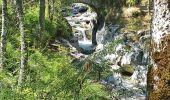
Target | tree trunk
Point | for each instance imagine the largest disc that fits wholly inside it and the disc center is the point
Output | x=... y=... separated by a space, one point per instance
x=159 y=73
x=41 y=19
x=23 y=43
x=149 y=6
x=3 y=34
x=50 y=10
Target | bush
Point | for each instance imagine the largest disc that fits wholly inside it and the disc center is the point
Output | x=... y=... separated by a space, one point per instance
x=94 y=91
x=131 y=12
x=132 y=2
x=50 y=75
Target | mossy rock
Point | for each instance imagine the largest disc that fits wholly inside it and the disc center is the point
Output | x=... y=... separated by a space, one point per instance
x=89 y=35
x=127 y=70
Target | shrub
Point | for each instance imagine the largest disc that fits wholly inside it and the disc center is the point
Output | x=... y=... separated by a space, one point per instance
x=131 y=12
x=132 y=2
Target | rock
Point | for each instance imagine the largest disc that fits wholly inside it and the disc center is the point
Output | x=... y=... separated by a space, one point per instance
x=140 y=74
x=83 y=9
x=119 y=48
x=73 y=40
x=99 y=47
x=115 y=67
x=115 y=79
x=127 y=70
x=77 y=55
x=126 y=59
x=75 y=12
x=141 y=32
x=105 y=33
x=111 y=58
x=139 y=56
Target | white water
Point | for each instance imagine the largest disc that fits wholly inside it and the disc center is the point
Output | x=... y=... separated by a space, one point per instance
x=86 y=45
x=80 y=26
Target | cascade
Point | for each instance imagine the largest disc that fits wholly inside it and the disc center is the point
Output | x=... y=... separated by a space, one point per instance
x=81 y=19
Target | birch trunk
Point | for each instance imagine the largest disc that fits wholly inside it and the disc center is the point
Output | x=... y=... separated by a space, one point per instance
x=3 y=34
x=50 y=10
x=159 y=73
x=23 y=43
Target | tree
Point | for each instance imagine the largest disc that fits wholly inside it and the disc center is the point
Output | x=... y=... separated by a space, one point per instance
x=159 y=73
x=50 y=9
x=3 y=34
x=41 y=18
x=23 y=43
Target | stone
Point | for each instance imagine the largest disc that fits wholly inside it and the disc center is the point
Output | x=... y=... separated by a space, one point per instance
x=99 y=47
x=115 y=79
x=141 y=32
x=83 y=9
x=111 y=57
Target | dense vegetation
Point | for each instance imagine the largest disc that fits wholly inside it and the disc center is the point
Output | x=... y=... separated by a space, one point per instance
x=48 y=74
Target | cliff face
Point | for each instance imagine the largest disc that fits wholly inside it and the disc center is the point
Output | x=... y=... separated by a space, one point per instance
x=159 y=73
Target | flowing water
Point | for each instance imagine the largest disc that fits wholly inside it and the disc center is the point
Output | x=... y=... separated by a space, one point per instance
x=82 y=25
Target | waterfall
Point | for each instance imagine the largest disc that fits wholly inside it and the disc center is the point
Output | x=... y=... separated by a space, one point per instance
x=85 y=44
x=82 y=25
x=84 y=35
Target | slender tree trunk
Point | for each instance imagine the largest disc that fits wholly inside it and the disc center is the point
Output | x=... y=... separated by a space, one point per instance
x=149 y=8
x=23 y=43
x=3 y=34
x=41 y=18
x=159 y=73
x=50 y=10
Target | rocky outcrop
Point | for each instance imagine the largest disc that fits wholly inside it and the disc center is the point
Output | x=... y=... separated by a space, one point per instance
x=128 y=58
x=106 y=33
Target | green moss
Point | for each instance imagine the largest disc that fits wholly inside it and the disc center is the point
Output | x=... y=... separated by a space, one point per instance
x=127 y=70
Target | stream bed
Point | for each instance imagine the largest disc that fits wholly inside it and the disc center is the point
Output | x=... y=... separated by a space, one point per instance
x=128 y=59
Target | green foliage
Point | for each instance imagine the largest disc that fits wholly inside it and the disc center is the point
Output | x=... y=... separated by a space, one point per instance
x=51 y=27
x=12 y=58
x=63 y=28
x=8 y=92
x=50 y=75
x=132 y=2
x=93 y=91
x=110 y=47
x=0 y=10
x=134 y=24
